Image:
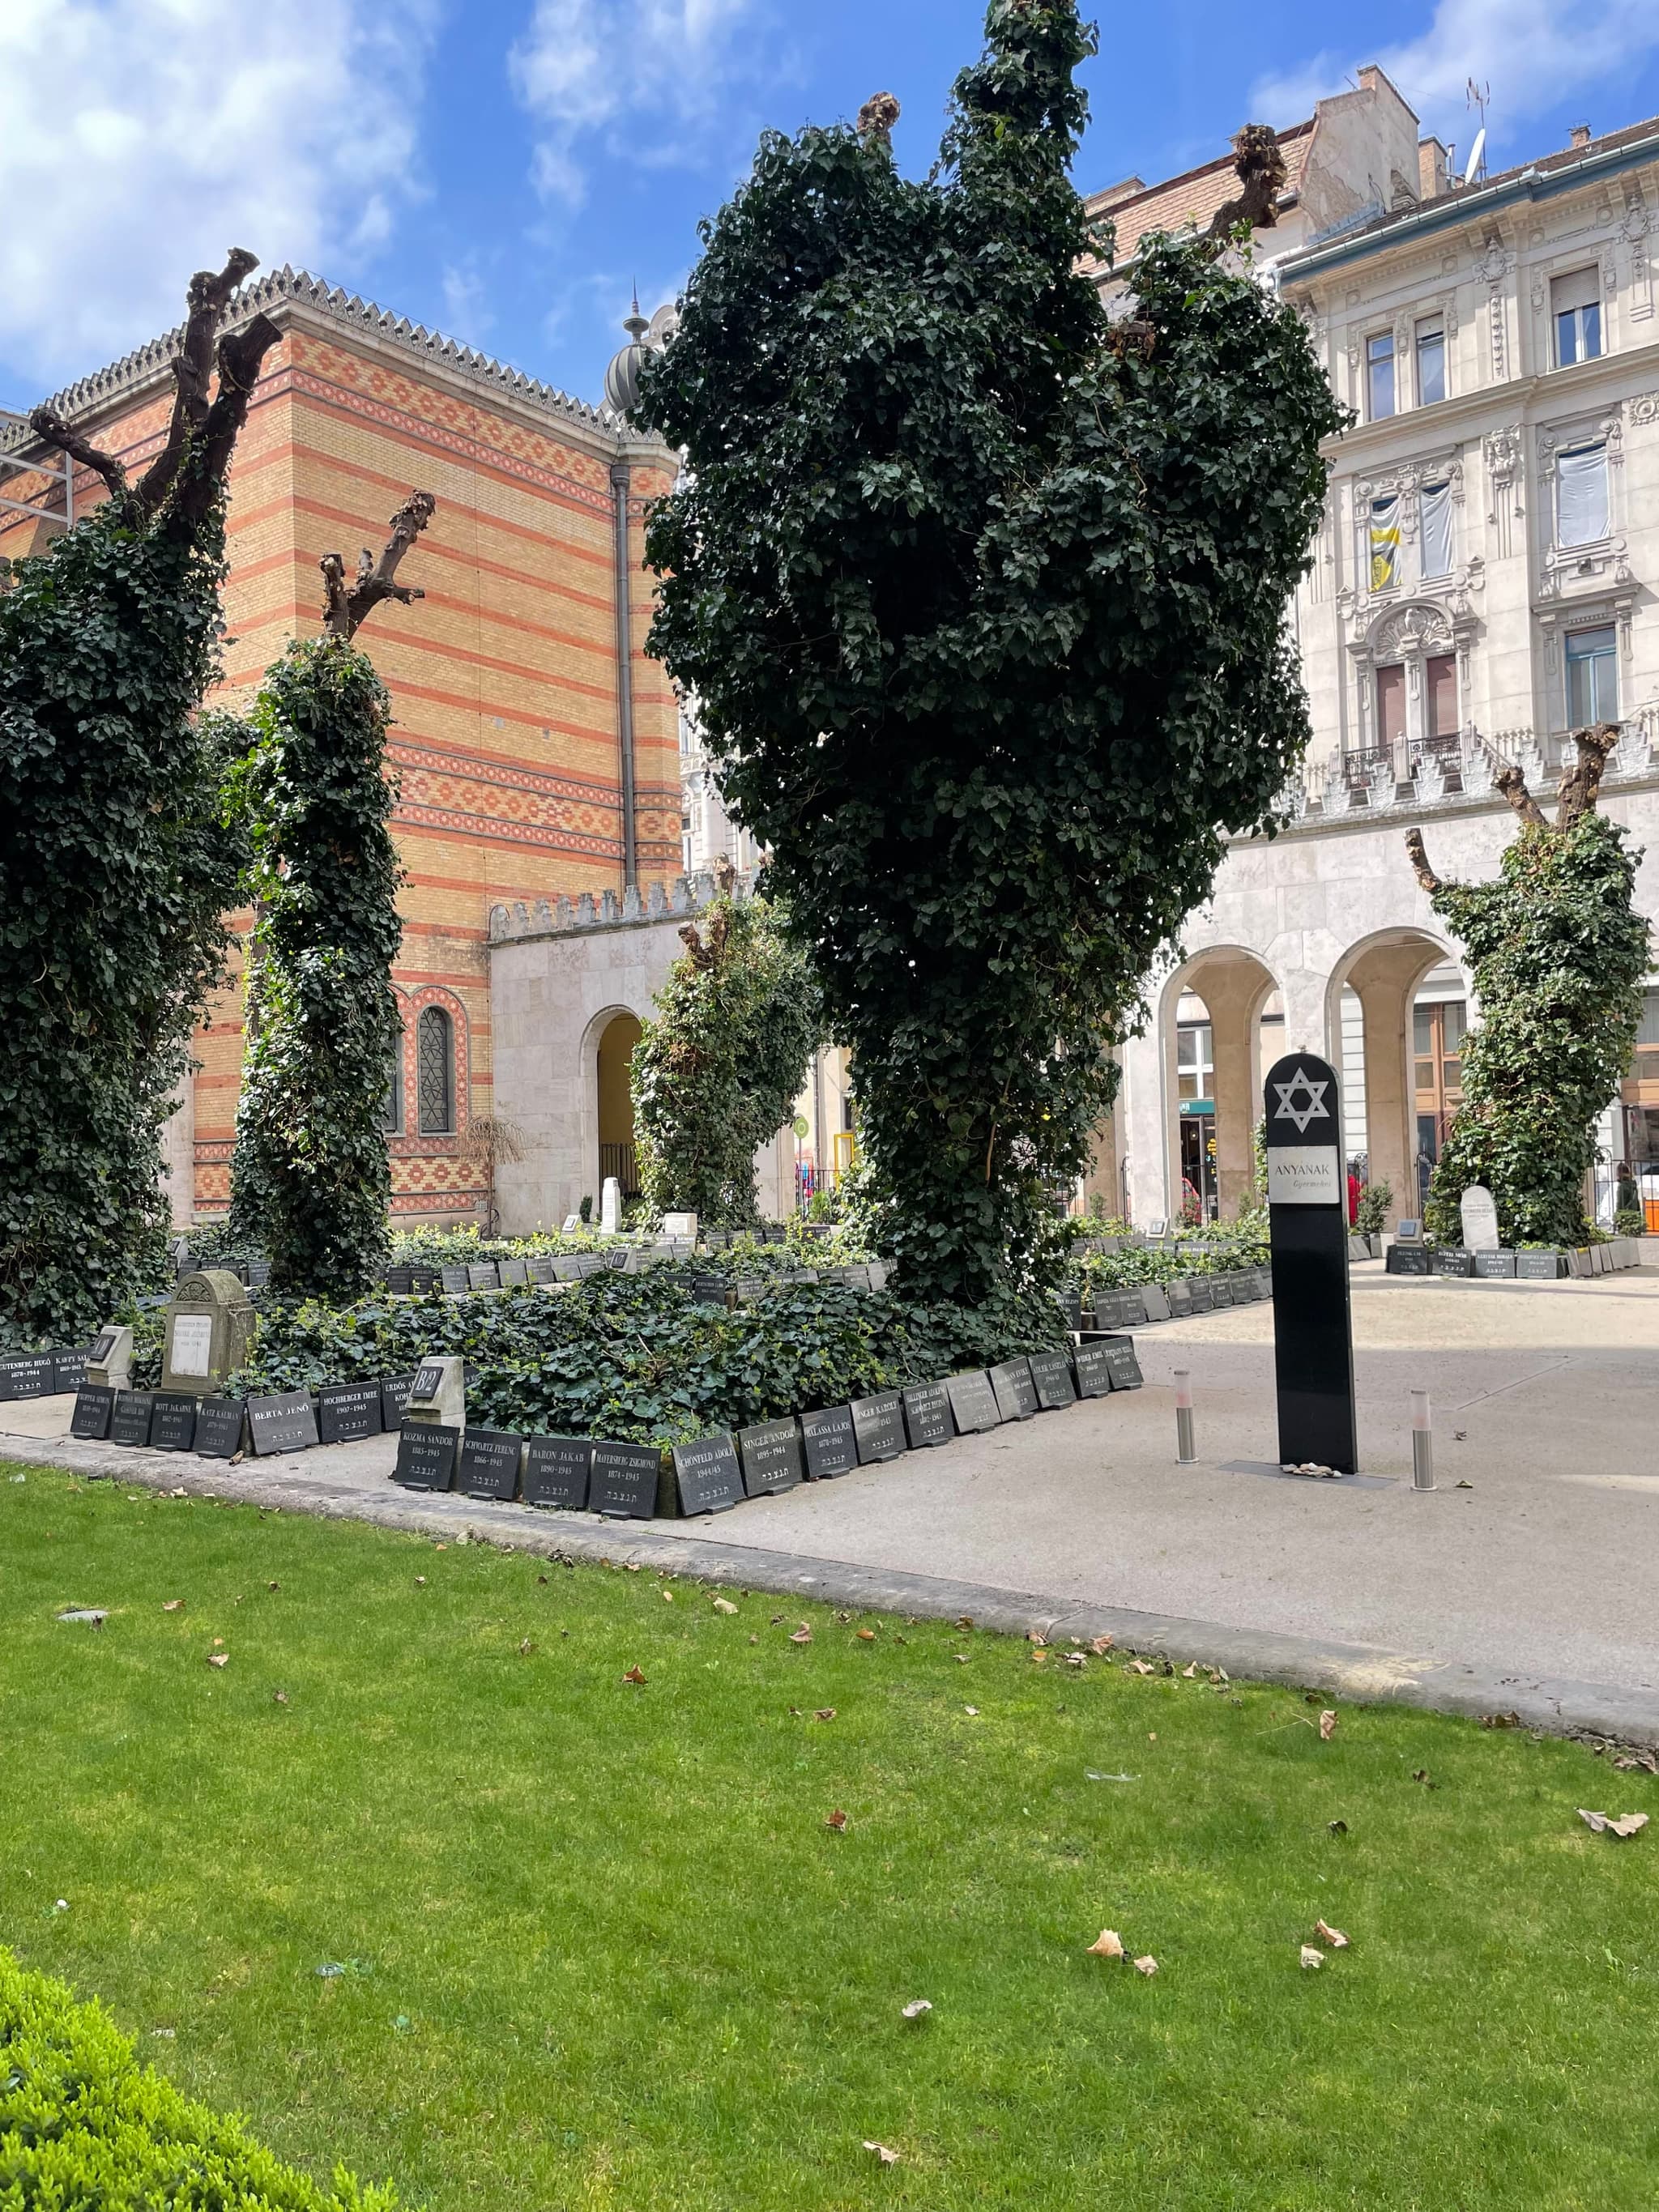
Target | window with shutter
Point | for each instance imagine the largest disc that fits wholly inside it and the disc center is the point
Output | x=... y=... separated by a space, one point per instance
x=1440 y=676
x=1575 y=307
x=1390 y=705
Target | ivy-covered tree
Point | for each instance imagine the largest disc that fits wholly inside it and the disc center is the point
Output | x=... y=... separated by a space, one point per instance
x=1557 y=953
x=717 y=1072
x=115 y=870
x=310 y=1177
x=982 y=593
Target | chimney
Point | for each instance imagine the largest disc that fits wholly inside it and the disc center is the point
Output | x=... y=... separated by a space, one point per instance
x=1115 y=194
x=1430 y=168
x=1579 y=134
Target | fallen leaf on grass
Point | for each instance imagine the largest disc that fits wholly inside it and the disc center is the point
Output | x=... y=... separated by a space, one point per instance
x=1603 y=1824
x=1327 y=1725
x=1038 y=1657
x=1139 y=1666
x=917 y=2007
x=1109 y=1944
x=1076 y=1659
x=1337 y=1827
x=1148 y=1965
x=1421 y=1774
x=173 y=1605
x=1644 y=1760
x=1310 y=1957
x=667 y=1596
x=824 y=1713
x=218 y=1658
x=1333 y=1936
x=964 y=1620
x=887 y=2157
x=961 y=1658
x=635 y=1676
x=279 y=1697
x=1500 y=1720
x=1188 y=1673
x=801 y=1635
x=837 y=1820
x=274 y=1586
x=866 y=1636
x=972 y=1711
x=420 y=1582
x=724 y=1605
x=1101 y=1646
x=1036 y=1636
x=526 y=1647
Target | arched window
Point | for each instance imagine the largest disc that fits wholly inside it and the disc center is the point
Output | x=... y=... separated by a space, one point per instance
x=391 y=1106
x=436 y=1072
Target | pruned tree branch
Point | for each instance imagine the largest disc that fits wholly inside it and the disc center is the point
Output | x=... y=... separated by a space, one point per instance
x=1420 y=860
x=1260 y=166
x=192 y=366
x=877 y=118
x=696 y=950
x=51 y=428
x=1510 y=781
x=1580 y=786
x=345 y=608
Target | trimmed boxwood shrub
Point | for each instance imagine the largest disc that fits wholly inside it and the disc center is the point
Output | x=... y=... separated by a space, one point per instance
x=85 y=2128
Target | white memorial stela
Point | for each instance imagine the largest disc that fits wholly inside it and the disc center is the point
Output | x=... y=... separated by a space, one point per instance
x=192 y=1344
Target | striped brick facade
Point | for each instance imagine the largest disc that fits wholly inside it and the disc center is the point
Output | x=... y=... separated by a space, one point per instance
x=504 y=678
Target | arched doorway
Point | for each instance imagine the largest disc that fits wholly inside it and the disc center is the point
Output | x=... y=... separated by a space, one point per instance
x=1413 y=1010
x=615 y=1104
x=1220 y=1012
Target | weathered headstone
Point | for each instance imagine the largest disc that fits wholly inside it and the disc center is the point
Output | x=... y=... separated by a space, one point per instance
x=878 y=1426
x=572 y=1225
x=220 y=1424
x=1180 y=1296
x=94 y=1406
x=26 y=1375
x=1051 y=1377
x=400 y=1281
x=542 y=1268
x=1221 y=1292
x=68 y=1371
x=1093 y=1368
x=487 y=1465
x=624 y=1480
x=426 y=1456
x=771 y=1457
x=679 y=1224
x=1015 y=1391
x=927 y=1415
x=1199 y=1298
x=1407 y=1230
x=1493 y=1266
x=437 y=1397
x=347 y=1410
x=513 y=1273
x=1407 y=1259
x=172 y=1423
x=109 y=1357
x=1447 y=1259
x=1308 y=1231
x=455 y=1282
x=423 y=1281
x=1156 y=1300
x=394 y=1396
x=828 y=1442
x=1479 y=1211
x=973 y=1402
x=129 y=1422
x=556 y=1471
x=285 y=1421
x=708 y=1476
x=1122 y=1366
x=1538 y=1267
x=483 y=1275
x=1069 y=1298
x=210 y=1325
x=610 y=1207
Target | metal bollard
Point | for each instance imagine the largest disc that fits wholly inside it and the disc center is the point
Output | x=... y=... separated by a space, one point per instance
x=1422 y=1443
x=1185 y=1449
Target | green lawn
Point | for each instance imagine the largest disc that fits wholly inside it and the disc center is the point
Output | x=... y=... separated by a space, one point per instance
x=602 y=1950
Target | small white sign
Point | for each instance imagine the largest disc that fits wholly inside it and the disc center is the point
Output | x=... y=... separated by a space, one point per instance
x=1303 y=1175
x=192 y=1344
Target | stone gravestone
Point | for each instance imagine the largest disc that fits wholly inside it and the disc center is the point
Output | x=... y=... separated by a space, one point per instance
x=1094 y=1369
x=1122 y=1367
x=437 y=1397
x=1491 y=1267
x=513 y=1273
x=286 y=1421
x=483 y=1275
x=708 y=1476
x=109 y=1358
x=1407 y=1231
x=828 y=1442
x=1480 y=1213
x=426 y=1455
x=556 y=1472
x=68 y=1371
x=219 y=1424
x=1408 y=1260
x=624 y=1480
x=878 y=1426
x=1538 y=1267
x=1051 y=1375
x=347 y=1410
x=489 y=1463
x=771 y=1457
x=927 y=1414
x=26 y=1375
x=610 y=1207
x=172 y=1424
x=1016 y=1391
x=129 y=1422
x=456 y=1281
x=94 y=1405
x=394 y=1396
x=210 y=1325
x=973 y=1402
x=1308 y=1233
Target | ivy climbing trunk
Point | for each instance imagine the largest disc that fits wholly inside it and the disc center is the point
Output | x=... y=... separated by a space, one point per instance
x=311 y=1177
x=1557 y=954
x=116 y=868
x=981 y=596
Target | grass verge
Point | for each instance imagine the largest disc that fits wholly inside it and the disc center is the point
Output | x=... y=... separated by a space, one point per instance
x=596 y=1947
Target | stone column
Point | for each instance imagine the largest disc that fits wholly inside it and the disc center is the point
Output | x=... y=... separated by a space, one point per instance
x=1385 y=979
x=1145 y=1109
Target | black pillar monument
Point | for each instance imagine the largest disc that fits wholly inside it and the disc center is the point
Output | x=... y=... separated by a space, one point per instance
x=1308 y=1227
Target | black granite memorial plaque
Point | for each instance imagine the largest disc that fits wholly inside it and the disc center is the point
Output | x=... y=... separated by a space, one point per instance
x=487 y=1465
x=347 y=1411
x=68 y=1371
x=1494 y=1267
x=1407 y=1259
x=708 y=1476
x=1093 y=1368
x=1538 y=1267
x=129 y=1422
x=542 y=1268
x=555 y=1470
x=426 y=1455
x=424 y=1280
x=429 y=1381
x=1156 y=1299
x=101 y=1346
x=1122 y=1365
x=771 y=1457
x=219 y=1425
x=400 y=1281
x=1069 y=1299
x=927 y=1414
x=27 y=1375
x=828 y=1442
x=1308 y=1232
x=1221 y=1292
x=1447 y=1259
x=1199 y=1298
x=93 y=1406
x=285 y=1421
x=258 y=1277
x=515 y=1274
x=748 y=1288
x=878 y=1426
x=1180 y=1295
x=455 y=1280
x=1015 y=1391
x=709 y=1290
x=1051 y=1378
x=394 y=1396
x=624 y=1480
x=973 y=1402
x=172 y=1424
x=483 y=1275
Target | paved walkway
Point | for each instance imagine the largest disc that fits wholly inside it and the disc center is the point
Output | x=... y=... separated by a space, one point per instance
x=1533 y=1588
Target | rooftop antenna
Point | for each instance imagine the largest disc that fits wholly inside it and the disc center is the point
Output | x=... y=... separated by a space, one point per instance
x=1478 y=96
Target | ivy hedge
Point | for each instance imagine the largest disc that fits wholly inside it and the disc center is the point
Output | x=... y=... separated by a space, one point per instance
x=85 y=2128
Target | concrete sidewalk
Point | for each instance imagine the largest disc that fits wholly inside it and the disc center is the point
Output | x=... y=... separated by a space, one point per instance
x=1534 y=1589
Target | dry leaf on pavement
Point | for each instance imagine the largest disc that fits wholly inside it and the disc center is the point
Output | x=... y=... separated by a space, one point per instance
x=1627 y=1824
x=1333 y=1936
x=1188 y=1673
x=887 y=2157
x=1109 y=1944
x=634 y=1675
x=1310 y=1957
x=1327 y=1725
x=1644 y=1760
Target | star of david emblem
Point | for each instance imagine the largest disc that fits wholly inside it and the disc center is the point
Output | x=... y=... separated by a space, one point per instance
x=1316 y=1109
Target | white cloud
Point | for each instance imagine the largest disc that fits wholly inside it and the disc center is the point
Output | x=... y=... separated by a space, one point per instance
x=143 y=138
x=662 y=70
x=1535 y=54
x=466 y=296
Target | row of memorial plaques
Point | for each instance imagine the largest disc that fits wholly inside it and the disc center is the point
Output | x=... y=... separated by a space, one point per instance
x=1502 y=1266
x=629 y=1480
x=572 y=1267
x=217 y=1428
x=41 y=1374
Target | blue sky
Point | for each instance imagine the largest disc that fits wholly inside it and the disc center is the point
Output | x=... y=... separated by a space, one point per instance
x=503 y=170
